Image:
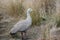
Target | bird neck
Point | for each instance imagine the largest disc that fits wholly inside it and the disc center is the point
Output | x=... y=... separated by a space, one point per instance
x=28 y=15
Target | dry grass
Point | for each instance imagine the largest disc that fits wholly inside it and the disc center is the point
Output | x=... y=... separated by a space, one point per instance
x=17 y=9
x=36 y=14
x=41 y=9
x=56 y=18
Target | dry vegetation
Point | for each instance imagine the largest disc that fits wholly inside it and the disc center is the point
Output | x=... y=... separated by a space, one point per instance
x=45 y=12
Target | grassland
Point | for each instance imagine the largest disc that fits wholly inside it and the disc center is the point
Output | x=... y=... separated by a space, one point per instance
x=46 y=13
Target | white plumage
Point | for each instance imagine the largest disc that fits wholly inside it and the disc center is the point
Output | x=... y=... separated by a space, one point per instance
x=24 y=24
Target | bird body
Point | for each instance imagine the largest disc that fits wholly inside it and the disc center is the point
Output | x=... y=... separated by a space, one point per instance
x=24 y=24
x=21 y=25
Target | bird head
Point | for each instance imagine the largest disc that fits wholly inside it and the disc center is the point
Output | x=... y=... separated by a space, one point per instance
x=29 y=10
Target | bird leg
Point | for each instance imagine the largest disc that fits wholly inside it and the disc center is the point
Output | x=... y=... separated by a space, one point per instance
x=22 y=36
x=25 y=35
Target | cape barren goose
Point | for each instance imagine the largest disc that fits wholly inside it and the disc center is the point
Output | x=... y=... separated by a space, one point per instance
x=22 y=26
